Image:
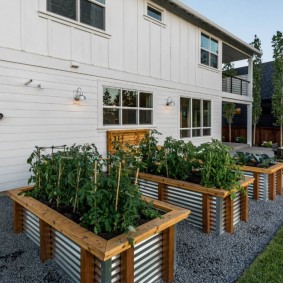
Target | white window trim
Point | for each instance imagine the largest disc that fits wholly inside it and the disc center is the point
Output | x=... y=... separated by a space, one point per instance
x=153 y=20
x=191 y=128
x=218 y=55
x=104 y=84
x=43 y=13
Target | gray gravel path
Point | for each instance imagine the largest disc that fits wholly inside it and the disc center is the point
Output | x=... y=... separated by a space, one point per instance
x=208 y=258
x=19 y=257
x=201 y=257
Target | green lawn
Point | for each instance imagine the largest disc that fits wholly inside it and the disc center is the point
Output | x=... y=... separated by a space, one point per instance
x=268 y=266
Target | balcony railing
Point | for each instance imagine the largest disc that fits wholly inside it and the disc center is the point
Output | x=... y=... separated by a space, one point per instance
x=234 y=85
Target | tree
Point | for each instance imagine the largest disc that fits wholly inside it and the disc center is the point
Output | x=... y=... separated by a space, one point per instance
x=228 y=113
x=277 y=98
x=257 y=77
x=228 y=69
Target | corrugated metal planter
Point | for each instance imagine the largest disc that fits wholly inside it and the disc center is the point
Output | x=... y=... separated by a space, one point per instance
x=211 y=209
x=86 y=257
x=268 y=181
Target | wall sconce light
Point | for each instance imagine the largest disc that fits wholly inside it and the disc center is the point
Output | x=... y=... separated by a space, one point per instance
x=79 y=95
x=170 y=102
x=238 y=111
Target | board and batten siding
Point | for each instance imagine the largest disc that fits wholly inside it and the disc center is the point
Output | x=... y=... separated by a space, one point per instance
x=48 y=116
x=132 y=42
x=133 y=53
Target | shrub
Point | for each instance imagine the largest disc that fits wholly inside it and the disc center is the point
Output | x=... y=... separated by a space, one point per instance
x=267 y=144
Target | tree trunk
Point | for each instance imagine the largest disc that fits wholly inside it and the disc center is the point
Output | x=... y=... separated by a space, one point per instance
x=229 y=132
x=253 y=143
x=281 y=135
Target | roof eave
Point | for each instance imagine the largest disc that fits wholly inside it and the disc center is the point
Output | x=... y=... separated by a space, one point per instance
x=205 y=20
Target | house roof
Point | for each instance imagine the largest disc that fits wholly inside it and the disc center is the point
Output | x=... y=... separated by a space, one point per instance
x=199 y=20
x=267 y=88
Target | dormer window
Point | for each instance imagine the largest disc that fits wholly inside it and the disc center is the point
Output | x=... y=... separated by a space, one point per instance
x=89 y=12
x=154 y=13
x=209 y=51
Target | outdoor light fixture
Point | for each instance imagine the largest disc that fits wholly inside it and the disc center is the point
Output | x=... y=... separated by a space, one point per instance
x=79 y=95
x=238 y=111
x=170 y=102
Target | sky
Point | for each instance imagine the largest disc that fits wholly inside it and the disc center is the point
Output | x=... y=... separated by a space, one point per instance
x=245 y=18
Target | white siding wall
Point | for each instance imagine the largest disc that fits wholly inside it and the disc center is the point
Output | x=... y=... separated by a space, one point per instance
x=48 y=116
x=134 y=53
x=132 y=43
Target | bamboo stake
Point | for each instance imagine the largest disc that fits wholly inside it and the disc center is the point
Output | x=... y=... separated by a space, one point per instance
x=95 y=175
x=77 y=188
x=118 y=186
x=58 y=182
x=137 y=174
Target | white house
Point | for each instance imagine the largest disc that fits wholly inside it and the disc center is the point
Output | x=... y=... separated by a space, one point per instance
x=129 y=58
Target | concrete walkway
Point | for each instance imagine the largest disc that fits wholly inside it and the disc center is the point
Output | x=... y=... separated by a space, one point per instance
x=246 y=148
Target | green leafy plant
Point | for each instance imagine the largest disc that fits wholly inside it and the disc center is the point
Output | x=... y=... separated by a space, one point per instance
x=251 y=159
x=219 y=169
x=267 y=144
x=177 y=159
x=75 y=178
x=240 y=139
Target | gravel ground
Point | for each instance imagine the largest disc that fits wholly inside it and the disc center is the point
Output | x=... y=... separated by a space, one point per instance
x=210 y=258
x=19 y=257
x=200 y=257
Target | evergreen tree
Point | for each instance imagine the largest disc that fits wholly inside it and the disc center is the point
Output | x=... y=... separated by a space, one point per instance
x=277 y=98
x=257 y=77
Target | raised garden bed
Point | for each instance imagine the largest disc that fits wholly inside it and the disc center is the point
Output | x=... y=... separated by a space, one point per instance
x=211 y=209
x=268 y=181
x=86 y=257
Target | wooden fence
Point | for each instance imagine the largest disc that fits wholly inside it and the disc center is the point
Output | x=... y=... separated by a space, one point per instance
x=262 y=134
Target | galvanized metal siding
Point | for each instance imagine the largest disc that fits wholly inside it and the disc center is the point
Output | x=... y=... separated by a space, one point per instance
x=148 y=260
x=237 y=208
x=183 y=198
x=67 y=255
x=31 y=226
x=148 y=188
x=263 y=186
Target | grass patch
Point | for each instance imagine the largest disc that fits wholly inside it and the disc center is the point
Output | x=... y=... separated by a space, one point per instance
x=268 y=266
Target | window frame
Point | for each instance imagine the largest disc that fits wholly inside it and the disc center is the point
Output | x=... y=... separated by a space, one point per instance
x=191 y=128
x=157 y=10
x=209 y=51
x=78 y=14
x=151 y=19
x=121 y=107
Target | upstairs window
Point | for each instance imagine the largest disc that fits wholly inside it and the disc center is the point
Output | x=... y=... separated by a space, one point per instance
x=127 y=107
x=154 y=13
x=209 y=51
x=89 y=12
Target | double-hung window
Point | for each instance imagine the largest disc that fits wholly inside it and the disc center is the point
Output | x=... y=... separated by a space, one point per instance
x=209 y=51
x=89 y=12
x=195 y=117
x=127 y=107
